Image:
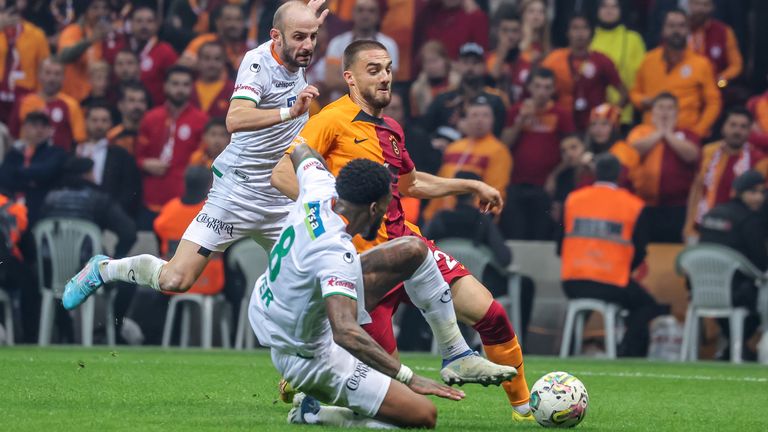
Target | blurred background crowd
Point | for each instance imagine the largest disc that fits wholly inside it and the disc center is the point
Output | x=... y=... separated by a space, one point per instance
x=523 y=94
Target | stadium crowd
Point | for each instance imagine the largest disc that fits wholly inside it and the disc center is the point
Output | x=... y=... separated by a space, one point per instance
x=106 y=105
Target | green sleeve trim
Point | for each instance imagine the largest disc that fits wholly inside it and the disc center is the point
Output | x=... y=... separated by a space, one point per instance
x=341 y=294
x=245 y=98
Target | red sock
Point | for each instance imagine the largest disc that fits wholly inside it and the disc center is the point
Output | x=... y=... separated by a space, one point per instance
x=494 y=327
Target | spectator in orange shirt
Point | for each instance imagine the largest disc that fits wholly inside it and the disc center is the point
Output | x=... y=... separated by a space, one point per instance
x=132 y=104
x=721 y=163
x=215 y=139
x=168 y=135
x=536 y=33
x=533 y=131
x=64 y=112
x=506 y=64
x=715 y=40
x=582 y=75
x=213 y=88
x=23 y=47
x=230 y=33
x=82 y=43
x=437 y=76
x=674 y=68
x=668 y=160
x=480 y=153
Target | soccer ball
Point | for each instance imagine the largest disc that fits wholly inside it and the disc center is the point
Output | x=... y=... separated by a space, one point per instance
x=559 y=399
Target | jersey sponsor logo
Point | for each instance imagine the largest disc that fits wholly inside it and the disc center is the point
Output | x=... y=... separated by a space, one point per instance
x=358 y=141
x=255 y=68
x=341 y=283
x=360 y=373
x=241 y=175
x=314 y=164
x=312 y=221
x=283 y=84
x=246 y=87
x=215 y=225
x=291 y=101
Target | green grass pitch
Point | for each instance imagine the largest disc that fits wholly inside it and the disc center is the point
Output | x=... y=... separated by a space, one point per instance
x=99 y=389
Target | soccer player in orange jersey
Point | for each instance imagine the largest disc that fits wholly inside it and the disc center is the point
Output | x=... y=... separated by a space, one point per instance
x=353 y=127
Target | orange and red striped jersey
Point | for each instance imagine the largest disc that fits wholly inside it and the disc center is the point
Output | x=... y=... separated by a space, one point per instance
x=341 y=132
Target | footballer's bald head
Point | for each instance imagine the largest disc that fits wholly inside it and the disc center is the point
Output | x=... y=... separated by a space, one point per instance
x=291 y=11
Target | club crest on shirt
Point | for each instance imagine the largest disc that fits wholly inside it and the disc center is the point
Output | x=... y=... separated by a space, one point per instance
x=146 y=64
x=395 y=148
x=588 y=69
x=686 y=71
x=716 y=51
x=57 y=115
x=184 y=132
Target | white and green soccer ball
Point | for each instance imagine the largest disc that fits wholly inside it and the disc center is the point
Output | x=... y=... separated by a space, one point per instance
x=559 y=399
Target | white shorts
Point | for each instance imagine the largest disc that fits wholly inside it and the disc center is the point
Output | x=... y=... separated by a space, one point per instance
x=335 y=377
x=233 y=212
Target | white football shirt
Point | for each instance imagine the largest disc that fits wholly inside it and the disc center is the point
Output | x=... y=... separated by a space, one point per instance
x=250 y=156
x=313 y=258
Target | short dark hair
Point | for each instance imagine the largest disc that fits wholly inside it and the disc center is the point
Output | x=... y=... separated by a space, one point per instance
x=739 y=111
x=215 y=121
x=136 y=86
x=607 y=168
x=506 y=12
x=540 y=72
x=664 y=95
x=212 y=43
x=140 y=7
x=96 y=105
x=363 y=182
x=179 y=69
x=37 y=118
x=353 y=49
x=673 y=11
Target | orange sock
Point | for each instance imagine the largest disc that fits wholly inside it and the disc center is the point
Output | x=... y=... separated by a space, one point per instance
x=510 y=354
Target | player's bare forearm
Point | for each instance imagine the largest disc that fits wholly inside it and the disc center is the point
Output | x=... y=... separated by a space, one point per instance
x=284 y=178
x=242 y=118
x=427 y=186
x=347 y=333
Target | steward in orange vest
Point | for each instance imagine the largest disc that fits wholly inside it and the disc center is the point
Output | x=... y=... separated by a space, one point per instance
x=604 y=239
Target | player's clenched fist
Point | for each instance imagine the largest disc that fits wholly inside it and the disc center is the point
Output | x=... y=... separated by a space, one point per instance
x=303 y=100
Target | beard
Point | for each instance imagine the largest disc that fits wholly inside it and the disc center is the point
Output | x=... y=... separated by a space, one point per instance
x=373 y=231
x=376 y=100
x=291 y=60
x=177 y=101
x=676 y=41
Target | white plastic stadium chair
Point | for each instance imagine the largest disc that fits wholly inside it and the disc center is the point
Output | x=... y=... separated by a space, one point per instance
x=476 y=258
x=207 y=304
x=710 y=269
x=5 y=299
x=574 y=325
x=251 y=259
x=65 y=238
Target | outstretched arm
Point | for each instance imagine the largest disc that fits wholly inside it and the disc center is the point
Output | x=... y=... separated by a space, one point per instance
x=347 y=333
x=427 y=186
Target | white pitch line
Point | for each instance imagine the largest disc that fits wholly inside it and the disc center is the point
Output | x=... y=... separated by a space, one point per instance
x=646 y=375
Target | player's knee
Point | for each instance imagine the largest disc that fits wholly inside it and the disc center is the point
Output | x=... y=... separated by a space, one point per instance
x=414 y=250
x=428 y=416
x=175 y=281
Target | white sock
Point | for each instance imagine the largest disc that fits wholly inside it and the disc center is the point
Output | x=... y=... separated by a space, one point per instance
x=141 y=269
x=431 y=294
x=522 y=409
x=344 y=417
